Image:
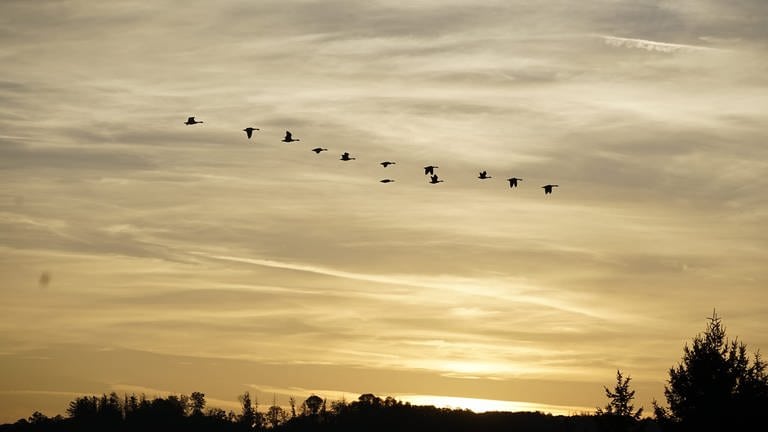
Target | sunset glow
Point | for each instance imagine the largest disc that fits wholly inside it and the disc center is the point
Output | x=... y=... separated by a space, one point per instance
x=485 y=405
x=138 y=251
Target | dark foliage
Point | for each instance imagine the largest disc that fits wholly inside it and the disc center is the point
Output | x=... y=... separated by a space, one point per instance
x=715 y=387
x=368 y=413
x=619 y=415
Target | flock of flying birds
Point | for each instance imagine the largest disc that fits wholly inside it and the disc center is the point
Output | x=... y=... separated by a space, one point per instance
x=428 y=170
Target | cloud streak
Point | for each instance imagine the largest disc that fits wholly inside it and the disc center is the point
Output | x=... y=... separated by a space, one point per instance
x=463 y=286
x=648 y=45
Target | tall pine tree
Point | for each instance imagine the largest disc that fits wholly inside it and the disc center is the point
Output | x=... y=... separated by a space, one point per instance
x=716 y=386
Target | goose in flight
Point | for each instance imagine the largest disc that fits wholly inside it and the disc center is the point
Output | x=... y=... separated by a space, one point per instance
x=513 y=181
x=548 y=188
x=387 y=163
x=249 y=131
x=191 y=121
x=319 y=149
x=484 y=175
x=386 y=181
x=345 y=157
x=430 y=169
x=289 y=137
x=434 y=180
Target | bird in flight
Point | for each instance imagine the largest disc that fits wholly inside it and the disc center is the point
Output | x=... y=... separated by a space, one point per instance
x=191 y=121
x=289 y=137
x=483 y=175
x=434 y=180
x=386 y=181
x=249 y=131
x=430 y=169
x=345 y=157
x=319 y=149
x=387 y=163
x=513 y=181
x=548 y=188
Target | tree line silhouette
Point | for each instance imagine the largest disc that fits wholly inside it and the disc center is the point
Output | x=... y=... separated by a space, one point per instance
x=715 y=387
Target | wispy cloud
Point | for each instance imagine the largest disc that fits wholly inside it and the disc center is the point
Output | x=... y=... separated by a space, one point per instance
x=507 y=291
x=650 y=45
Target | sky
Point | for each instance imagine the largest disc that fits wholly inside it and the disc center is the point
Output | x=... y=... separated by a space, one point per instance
x=139 y=254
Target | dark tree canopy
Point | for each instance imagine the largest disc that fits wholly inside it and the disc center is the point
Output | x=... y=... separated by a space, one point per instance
x=619 y=415
x=197 y=402
x=314 y=403
x=250 y=418
x=369 y=413
x=716 y=386
x=369 y=399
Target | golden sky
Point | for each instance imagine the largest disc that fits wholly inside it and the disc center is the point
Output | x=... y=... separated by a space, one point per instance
x=139 y=254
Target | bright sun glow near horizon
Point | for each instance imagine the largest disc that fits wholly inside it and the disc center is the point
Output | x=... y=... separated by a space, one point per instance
x=486 y=405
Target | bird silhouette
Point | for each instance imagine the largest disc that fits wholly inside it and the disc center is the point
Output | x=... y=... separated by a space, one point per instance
x=483 y=175
x=191 y=121
x=345 y=157
x=386 y=181
x=289 y=137
x=430 y=169
x=548 y=188
x=387 y=163
x=433 y=179
x=513 y=181
x=249 y=131
x=319 y=149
